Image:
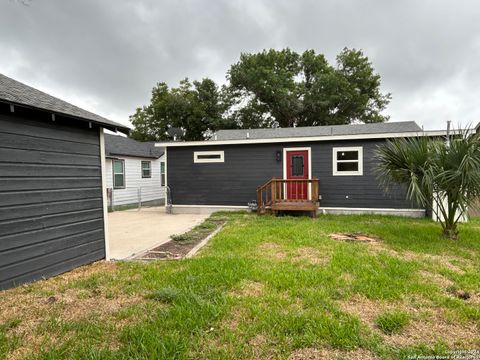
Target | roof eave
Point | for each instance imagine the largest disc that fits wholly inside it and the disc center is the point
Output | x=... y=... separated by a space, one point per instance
x=113 y=154
x=105 y=125
x=304 y=139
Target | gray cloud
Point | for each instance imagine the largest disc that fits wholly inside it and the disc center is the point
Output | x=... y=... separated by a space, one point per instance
x=107 y=55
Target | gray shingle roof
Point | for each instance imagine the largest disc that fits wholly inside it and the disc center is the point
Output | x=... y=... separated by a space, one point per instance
x=119 y=145
x=354 y=129
x=15 y=92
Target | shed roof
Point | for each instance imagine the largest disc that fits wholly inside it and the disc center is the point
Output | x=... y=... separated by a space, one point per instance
x=15 y=92
x=311 y=134
x=308 y=131
x=116 y=145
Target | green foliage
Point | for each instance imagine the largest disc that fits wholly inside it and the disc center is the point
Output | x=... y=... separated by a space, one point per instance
x=392 y=322
x=430 y=166
x=284 y=88
x=196 y=108
x=268 y=89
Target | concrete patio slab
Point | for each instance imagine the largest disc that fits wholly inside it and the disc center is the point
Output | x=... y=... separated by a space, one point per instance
x=134 y=231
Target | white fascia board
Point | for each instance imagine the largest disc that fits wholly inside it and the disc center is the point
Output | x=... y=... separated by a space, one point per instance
x=304 y=139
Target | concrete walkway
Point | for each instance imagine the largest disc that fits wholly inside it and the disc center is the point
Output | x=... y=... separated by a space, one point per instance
x=134 y=231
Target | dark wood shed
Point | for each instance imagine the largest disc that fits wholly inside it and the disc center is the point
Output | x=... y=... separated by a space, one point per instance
x=52 y=213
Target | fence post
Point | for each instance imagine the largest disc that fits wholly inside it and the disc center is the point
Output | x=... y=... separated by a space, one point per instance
x=139 y=193
x=112 y=199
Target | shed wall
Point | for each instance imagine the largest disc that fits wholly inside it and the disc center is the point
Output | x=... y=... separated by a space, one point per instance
x=51 y=209
x=234 y=182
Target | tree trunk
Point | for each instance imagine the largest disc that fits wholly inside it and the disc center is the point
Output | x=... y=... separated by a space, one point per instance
x=450 y=231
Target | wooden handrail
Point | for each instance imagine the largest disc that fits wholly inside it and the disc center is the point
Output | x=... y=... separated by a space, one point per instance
x=286 y=190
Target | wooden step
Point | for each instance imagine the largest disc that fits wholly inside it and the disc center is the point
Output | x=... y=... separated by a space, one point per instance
x=294 y=206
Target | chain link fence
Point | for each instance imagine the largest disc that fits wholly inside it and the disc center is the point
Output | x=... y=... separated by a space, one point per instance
x=135 y=197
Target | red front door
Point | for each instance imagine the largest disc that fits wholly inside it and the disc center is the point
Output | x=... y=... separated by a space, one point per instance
x=297 y=169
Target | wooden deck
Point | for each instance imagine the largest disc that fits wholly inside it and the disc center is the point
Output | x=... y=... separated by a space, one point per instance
x=284 y=195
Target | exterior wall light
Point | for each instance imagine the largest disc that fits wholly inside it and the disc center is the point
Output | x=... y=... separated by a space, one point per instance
x=278 y=155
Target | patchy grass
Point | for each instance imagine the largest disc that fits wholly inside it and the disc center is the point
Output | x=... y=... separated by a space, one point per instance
x=392 y=321
x=263 y=288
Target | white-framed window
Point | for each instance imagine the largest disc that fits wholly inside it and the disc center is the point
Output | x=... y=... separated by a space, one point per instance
x=347 y=161
x=118 y=174
x=208 y=157
x=146 y=169
x=162 y=173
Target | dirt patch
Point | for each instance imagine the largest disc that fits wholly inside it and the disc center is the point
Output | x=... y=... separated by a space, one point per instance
x=233 y=320
x=311 y=255
x=446 y=261
x=249 y=288
x=367 y=310
x=428 y=323
x=181 y=245
x=258 y=341
x=272 y=250
x=355 y=237
x=428 y=331
x=330 y=354
x=440 y=260
x=436 y=278
x=35 y=308
x=32 y=298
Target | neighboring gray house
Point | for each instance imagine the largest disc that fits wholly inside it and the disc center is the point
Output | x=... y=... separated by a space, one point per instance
x=52 y=207
x=135 y=171
x=225 y=172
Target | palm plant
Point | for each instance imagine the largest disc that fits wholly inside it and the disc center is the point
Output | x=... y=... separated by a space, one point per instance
x=443 y=177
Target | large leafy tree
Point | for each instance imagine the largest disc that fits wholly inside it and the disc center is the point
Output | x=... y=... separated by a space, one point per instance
x=444 y=177
x=197 y=108
x=267 y=89
x=284 y=88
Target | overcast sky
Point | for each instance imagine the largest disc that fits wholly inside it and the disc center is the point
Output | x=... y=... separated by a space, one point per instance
x=106 y=56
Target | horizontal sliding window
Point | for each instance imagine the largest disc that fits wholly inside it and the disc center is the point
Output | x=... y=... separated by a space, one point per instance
x=348 y=161
x=208 y=157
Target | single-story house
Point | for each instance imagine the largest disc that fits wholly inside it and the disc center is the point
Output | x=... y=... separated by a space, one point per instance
x=135 y=171
x=330 y=166
x=52 y=207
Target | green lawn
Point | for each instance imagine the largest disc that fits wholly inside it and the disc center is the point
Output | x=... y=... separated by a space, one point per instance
x=263 y=288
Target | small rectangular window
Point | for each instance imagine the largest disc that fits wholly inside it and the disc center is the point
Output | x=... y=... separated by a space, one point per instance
x=348 y=161
x=146 y=169
x=297 y=168
x=208 y=157
x=162 y=173
x=118 y=174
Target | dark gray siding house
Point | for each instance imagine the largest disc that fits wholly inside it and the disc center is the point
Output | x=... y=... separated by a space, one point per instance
x=224 y=172
x=51 y=199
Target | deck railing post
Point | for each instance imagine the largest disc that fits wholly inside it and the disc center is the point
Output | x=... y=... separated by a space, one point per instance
x=273 y=189
x=315 y=189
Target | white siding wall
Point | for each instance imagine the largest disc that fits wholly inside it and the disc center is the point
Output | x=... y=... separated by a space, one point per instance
x=151 y=188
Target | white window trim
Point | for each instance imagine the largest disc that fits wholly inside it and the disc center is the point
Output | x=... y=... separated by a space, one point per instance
x=196 y=160
x=149 y=162
x=163 y=178
x=123 y=173
x=336 y=150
